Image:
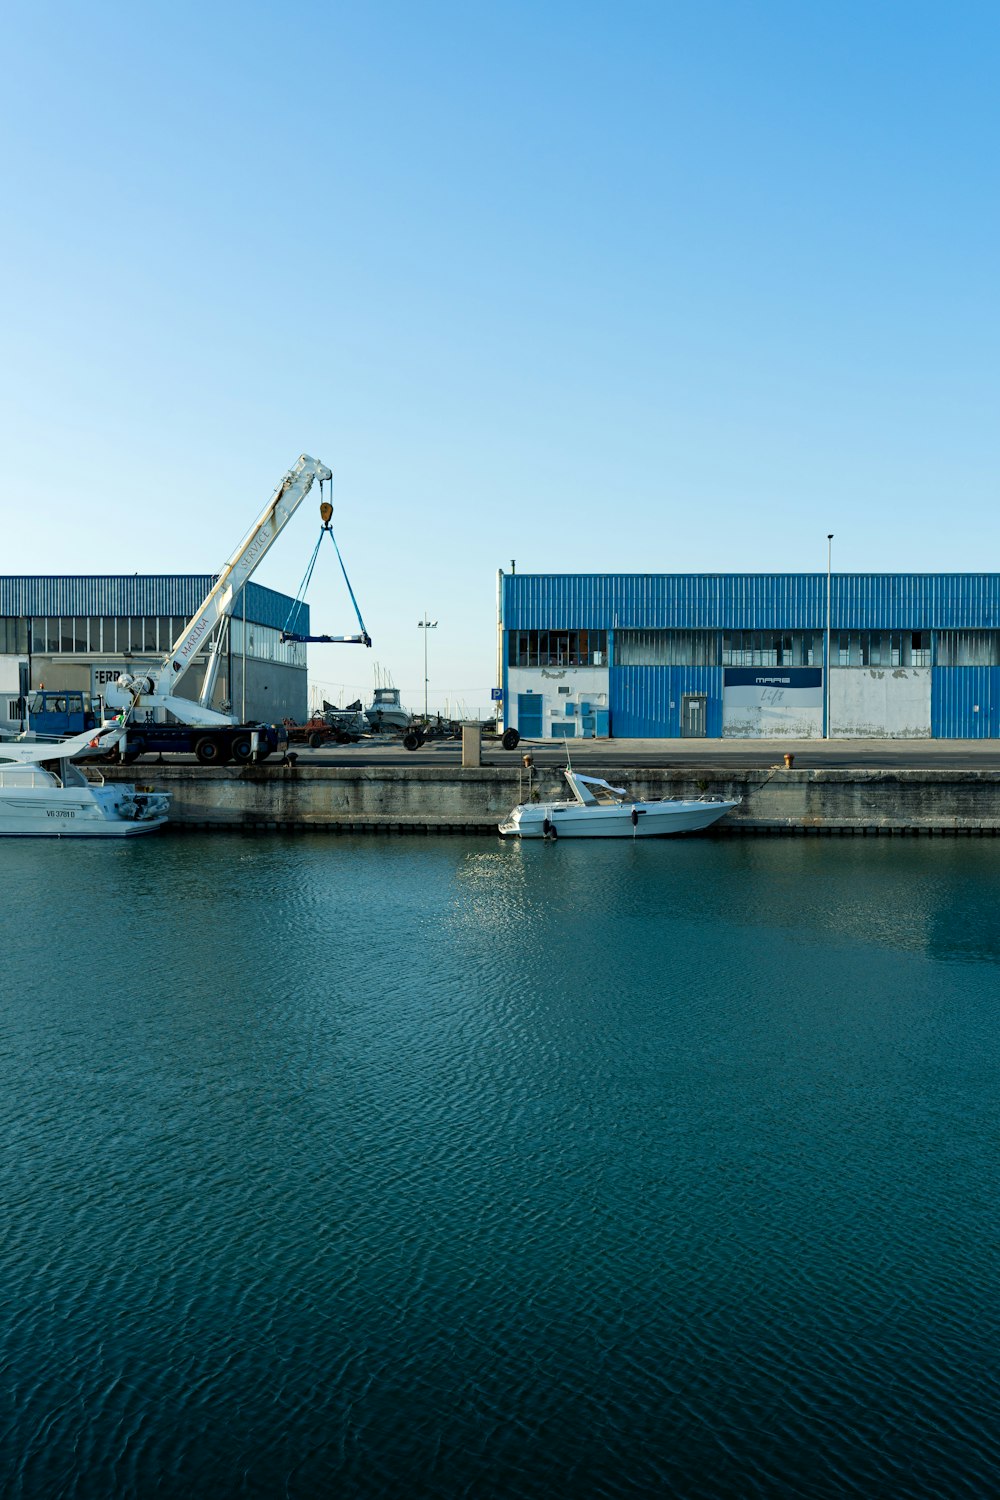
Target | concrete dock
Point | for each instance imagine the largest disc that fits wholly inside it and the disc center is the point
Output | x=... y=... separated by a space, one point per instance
x=417 y=798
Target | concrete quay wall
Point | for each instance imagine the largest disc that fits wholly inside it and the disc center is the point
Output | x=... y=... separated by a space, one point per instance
x=439 y=799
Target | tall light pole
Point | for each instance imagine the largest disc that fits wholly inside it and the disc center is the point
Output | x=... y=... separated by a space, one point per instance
x=826 y=672
x=426 y=625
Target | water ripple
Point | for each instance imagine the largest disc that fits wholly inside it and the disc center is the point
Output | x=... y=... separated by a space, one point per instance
x=378 y=1168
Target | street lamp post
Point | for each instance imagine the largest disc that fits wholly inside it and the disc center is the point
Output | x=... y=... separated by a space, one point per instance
x=826 y=673
x=426 y=625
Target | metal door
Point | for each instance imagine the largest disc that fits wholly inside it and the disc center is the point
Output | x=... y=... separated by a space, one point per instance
x=694 y=716
x=529 y=715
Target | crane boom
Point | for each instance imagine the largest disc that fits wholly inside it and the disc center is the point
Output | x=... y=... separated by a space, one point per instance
x=157 y=689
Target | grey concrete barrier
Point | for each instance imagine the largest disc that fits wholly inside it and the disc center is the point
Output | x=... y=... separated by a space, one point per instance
x=440 y=798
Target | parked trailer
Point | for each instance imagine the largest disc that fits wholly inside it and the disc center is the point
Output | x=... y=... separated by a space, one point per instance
x=451 y=729
x=319 y=731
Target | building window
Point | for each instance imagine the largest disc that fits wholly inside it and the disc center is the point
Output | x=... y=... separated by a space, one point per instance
x=264 y=643
x=968 y=648
x=920 y=648
x=876 y=648
x=769 y=648
x=14 y=637
x=557 y=648
x=667 y=648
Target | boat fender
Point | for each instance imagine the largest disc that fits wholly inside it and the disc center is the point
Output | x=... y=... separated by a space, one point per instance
x=546 y=827
x=635 y=817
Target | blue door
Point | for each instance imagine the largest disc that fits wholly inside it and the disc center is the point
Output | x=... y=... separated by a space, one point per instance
x=529 y=715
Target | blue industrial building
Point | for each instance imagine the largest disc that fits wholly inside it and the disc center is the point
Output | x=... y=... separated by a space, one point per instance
x=79 y=633
x=911 y=655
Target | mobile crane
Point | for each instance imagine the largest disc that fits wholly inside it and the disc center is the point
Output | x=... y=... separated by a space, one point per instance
x=214 y=737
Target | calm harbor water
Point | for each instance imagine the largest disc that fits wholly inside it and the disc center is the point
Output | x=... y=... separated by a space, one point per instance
x=371 y=1167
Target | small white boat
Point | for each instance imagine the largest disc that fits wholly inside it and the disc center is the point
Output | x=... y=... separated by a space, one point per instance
x=386 y=712
x=599 y=810
x=44 y=795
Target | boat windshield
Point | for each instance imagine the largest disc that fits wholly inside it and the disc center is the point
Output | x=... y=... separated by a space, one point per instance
x=605 y=795
x=593 y=789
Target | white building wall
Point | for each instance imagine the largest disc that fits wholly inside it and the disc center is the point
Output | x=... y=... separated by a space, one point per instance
x=10 y=681
x=586 y=685
x=748 y=721
x=880 y=702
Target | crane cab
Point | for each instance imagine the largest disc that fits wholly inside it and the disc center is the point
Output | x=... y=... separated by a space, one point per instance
x=65 y=711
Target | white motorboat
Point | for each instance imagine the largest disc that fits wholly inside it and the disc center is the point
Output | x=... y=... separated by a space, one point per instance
x=599 y=810
x=386 y=712
x=44 y=795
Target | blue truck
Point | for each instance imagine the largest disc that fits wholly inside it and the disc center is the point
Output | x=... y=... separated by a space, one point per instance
x=70 y=711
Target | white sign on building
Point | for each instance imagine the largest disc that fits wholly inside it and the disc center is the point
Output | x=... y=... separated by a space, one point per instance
x=768 y=702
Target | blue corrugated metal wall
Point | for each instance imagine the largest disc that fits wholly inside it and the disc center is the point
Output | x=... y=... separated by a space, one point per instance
x=750 y=601
x=646 y=701
x=965 y=703
x=139 y=594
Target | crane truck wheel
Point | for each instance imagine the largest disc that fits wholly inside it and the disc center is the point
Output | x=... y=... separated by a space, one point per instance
x=510 y=739
x=241 y=749
x=316 y=739
x=208 y=752
x=411 y=741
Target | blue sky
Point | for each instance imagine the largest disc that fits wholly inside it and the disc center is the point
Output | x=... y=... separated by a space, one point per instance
x=630 y=286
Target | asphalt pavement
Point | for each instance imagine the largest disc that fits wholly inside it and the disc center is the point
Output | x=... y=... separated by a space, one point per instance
x=809 y=755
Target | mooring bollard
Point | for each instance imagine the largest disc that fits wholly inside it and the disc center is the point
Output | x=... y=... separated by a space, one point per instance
x=472 y=746
x=789 y=762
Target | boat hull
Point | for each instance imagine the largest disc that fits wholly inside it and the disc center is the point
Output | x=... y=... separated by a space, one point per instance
x=653 y=820
x=38 y=813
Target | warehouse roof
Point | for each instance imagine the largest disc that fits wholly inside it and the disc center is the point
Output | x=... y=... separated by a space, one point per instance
x=750 y=601
x=135 y=594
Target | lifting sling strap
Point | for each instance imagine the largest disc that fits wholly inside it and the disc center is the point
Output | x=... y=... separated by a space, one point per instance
x=290 y=633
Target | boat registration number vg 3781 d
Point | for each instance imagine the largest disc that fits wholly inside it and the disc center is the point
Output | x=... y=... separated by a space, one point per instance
x=43 y=794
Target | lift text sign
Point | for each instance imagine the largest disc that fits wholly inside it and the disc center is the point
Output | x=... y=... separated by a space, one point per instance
x=771 y=687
